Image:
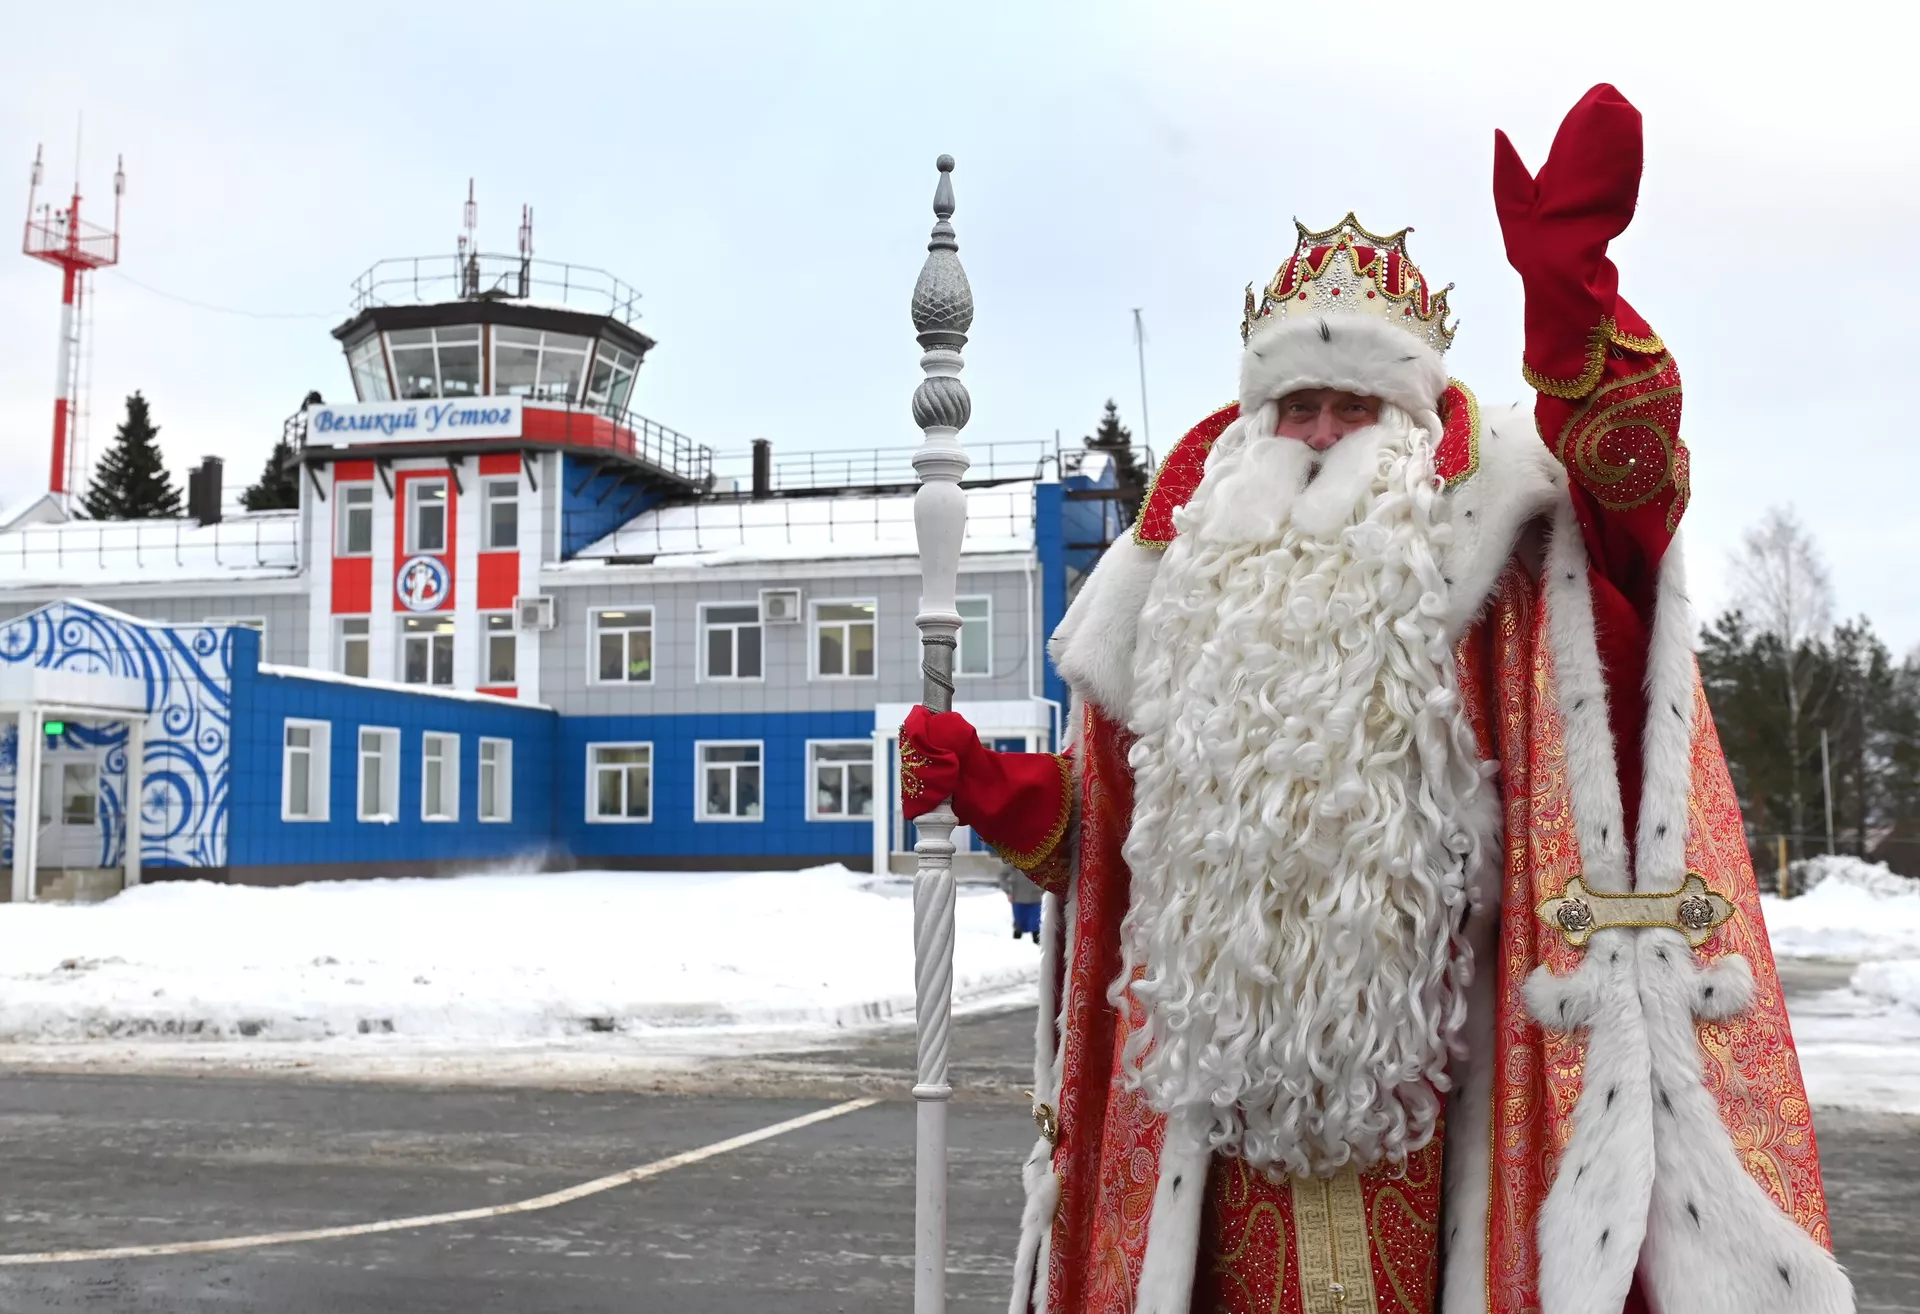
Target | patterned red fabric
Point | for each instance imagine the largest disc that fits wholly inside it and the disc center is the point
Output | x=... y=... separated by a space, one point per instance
x=1749 y=1062
x=1017 y=802
x=1102 y=887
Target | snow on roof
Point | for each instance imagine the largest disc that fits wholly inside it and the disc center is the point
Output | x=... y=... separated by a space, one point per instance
x=719 y=533
x=394 y=686
x=260 y=545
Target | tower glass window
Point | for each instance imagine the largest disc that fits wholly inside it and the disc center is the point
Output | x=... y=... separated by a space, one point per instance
x=539 y=365
x=369 y=368
x=436 y=362
x=611 y=382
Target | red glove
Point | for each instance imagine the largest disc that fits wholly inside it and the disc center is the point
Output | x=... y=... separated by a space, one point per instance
x=1557 y=227
x=1017 y=802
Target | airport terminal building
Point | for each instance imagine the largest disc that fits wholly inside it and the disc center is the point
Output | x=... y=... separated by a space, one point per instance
x=511 y=621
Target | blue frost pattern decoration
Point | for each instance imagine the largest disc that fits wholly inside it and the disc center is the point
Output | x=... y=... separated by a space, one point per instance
x=189 y=692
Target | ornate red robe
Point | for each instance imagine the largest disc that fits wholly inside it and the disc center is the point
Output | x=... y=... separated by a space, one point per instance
x=1631 y=1103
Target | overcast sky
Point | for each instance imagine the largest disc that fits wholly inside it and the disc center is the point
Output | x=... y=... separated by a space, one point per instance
x=762 y=173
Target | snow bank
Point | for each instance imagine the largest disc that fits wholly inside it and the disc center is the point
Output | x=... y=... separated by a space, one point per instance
x=1895 y=981
x=1857 y=911
x=1873 y=877
x=486 y=959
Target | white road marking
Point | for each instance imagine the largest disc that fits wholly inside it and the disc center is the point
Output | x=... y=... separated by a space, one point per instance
x=548 y=1201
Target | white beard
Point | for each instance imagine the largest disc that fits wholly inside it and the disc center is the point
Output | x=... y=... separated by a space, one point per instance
x=1304 y=789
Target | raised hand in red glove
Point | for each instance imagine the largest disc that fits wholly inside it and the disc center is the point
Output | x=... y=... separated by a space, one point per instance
x=1017 y=802
x=1557 y=226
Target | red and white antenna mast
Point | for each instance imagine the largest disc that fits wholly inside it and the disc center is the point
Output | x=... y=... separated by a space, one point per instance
x=62 y=239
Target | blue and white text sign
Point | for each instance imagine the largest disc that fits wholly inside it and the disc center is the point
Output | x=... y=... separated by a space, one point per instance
x=414 y=421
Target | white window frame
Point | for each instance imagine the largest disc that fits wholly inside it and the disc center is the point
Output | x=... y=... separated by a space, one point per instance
x=448 y=758
x=434 y=346
x=342 y=505
x=411 y=509
x=653 y=665
x=487 y=635
x=594 y=816
x=502 y=771
x=488 y=498
x=815 y=625
x=340 y=637
x=389 y=756
x=319 y=754
x=452 y=635
x=986 y=624
x=700 y=748
x=541 y=351
x=813 y=812
x=701 y=674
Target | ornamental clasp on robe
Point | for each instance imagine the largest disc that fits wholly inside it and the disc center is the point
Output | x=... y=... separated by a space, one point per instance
x=1694 y=910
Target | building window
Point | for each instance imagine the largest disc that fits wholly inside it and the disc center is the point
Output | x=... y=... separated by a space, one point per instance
x=426 y=650
x=732 y=640
x=499 y=661
x=612 y=378
x=439 y=777
x=436 y=362
x=538 y=365
x=843 y=639
x=352 y=644
x=624 y=646
x=502 y=515
x=426 y=516
x=496 y=780
x=976 y=636
x=304 y=759
x=379 y=774
x=353 y=536
x=620 y=782
x=840 y=780
x=369 y=369
x=729 y=781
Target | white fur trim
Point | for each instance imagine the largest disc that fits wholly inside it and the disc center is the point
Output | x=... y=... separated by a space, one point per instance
x=1518 y=479
x=1716 y=1243
x=1595 y=1215
x=1092 y=647
x=1582 y=689
x=1353 y=352
x=1469 y=1149
x=1666 y=742
x=1173 y=1224
x=1034 y=1253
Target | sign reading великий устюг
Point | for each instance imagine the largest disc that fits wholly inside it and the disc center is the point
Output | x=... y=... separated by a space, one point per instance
x=426 y=419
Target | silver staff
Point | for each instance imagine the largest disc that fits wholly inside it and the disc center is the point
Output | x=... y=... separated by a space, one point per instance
x=942 y=314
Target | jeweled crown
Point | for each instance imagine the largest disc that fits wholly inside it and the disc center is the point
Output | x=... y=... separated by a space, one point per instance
x=1349 y=271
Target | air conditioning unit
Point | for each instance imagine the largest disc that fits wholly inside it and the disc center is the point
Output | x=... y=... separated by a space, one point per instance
x=780 y=606
x=534 y=613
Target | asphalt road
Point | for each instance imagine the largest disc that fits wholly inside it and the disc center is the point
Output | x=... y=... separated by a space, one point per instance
x=818 y=1219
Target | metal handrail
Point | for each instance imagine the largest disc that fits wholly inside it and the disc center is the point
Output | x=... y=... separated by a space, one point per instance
x=486 y=276
x=260 y=540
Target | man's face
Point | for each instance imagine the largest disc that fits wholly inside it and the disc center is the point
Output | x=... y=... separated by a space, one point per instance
x=1321 y=417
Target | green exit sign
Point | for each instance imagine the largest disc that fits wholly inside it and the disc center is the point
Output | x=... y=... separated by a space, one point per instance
x=56 y=728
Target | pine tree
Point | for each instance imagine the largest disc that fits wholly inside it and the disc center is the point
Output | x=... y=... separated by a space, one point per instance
x=130 y=483
x=1116 y=442
x=278 y=488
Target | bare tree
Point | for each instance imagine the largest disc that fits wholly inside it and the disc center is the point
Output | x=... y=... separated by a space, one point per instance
x=1781 y=584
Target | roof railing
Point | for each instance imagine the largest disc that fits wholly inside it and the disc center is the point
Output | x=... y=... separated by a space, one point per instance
x=480 y=276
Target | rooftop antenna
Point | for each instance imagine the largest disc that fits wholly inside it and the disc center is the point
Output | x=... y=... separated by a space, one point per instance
x=469 y=247
x=77 y=248
x=526 y=251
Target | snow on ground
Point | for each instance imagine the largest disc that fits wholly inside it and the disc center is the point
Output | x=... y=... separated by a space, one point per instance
x=487 y=960
x=1859 y=1046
